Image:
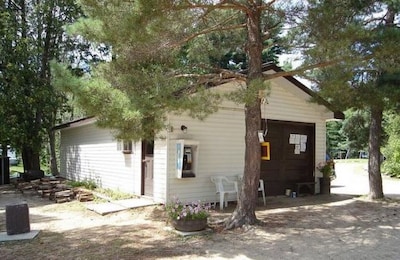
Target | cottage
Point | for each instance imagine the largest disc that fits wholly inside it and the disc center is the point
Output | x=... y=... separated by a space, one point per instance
x=183 y=158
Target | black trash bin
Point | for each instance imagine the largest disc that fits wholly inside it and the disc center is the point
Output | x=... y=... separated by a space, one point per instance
x=4 y=170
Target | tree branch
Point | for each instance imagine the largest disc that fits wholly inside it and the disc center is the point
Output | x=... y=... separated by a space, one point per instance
x=207 y=31
x=301 y=69
x=225 y=4
x=222 y=74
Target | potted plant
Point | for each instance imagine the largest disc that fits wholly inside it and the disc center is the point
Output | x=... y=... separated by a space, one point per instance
x=188 y=216
x=327 y=169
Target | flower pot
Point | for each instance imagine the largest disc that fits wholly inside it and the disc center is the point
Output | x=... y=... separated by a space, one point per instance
x=189 y=225
x=325 y=185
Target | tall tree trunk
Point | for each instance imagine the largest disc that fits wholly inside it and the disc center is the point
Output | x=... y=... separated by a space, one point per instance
x=374 y=161
x=30 y=159
x=244 y=213
x=375 y=135
x=53 y=156
x=248 y=193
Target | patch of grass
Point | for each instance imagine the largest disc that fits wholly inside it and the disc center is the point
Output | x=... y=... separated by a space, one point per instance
x=115 y=194
x=16 y=168
x=20 y=168
x=88 y=184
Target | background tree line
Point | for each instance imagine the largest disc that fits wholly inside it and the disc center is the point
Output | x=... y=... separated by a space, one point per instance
x=32 y=34
x=349 y=139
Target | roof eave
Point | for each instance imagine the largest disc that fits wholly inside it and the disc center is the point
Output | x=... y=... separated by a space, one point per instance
x=337 y=114
x=75 y=123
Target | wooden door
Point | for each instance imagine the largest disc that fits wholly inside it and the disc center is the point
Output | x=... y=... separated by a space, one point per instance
x=287 y=165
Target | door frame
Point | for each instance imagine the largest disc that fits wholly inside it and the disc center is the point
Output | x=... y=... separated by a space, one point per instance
x=147 y=149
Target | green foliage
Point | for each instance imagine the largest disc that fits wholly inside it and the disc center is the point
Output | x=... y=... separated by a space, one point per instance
x=350 y=134
x=327 y=168
x=16 y=169
x=32 y=35
x=359 y=46
x=225 y=48
x=356 y=129
x=155 y=68
x=360 y=39
x=335 y=141
x=392 y=153
x=391 y=166
x=134 y=111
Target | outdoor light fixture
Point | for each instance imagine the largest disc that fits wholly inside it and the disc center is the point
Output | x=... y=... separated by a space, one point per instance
x=184 y=128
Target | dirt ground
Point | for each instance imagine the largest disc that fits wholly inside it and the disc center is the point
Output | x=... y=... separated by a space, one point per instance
x=311 y=227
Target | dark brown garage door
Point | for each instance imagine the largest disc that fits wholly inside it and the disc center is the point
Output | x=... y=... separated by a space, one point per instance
x=291 y=156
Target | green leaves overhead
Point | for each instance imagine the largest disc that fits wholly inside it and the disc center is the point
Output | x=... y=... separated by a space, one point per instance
x=32 y=34
x=362 y=37
x=156 y=67
x=166 y=54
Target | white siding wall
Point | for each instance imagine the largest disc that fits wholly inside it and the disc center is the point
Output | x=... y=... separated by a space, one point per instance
x=289 y=103
x=90 y=153
x=220 y=152
x=160 y=169
x=221 y=138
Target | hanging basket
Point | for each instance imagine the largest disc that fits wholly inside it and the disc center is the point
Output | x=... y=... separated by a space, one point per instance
x=189 y=225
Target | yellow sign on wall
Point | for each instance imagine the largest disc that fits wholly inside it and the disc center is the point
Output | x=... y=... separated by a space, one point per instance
x=265 y=151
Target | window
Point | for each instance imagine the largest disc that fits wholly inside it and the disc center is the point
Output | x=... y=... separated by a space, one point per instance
x=125 y=146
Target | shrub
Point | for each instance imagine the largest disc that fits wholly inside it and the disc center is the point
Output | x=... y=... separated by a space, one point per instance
x=391 y=166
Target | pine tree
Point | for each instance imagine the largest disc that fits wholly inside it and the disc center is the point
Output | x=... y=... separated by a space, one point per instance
x=164 y=51
x=362 y=38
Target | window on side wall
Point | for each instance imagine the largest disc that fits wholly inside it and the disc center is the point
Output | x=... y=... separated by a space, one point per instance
x=125 y=146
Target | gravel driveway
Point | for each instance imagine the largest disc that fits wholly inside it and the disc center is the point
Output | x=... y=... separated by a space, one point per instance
x=340 y=226
x=352 y=178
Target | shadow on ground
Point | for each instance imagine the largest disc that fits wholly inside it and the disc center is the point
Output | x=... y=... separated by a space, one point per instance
x=310 y=227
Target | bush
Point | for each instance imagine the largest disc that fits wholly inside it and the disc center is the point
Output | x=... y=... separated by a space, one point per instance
x=391 y=166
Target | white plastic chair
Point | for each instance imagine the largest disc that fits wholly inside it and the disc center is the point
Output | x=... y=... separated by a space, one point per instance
x=224 y=187
x=260 y=187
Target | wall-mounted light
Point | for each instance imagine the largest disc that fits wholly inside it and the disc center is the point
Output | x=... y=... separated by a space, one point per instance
x=184 y=128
